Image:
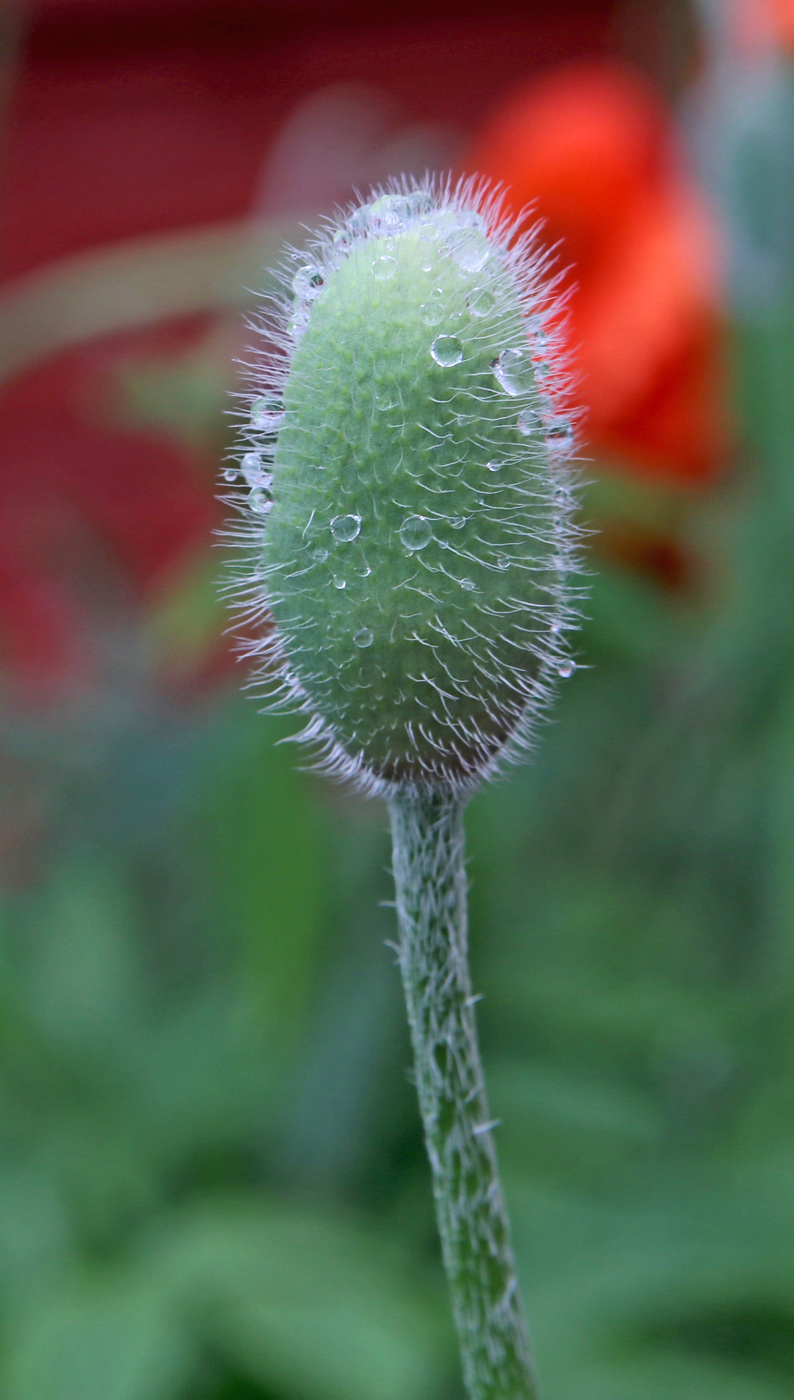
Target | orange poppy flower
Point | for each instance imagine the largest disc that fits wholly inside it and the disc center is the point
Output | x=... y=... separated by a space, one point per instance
x=592 y=150
x=758 y=26
x=783 y=20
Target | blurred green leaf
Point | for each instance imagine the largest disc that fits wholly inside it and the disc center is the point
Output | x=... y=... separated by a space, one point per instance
x=264 y=837
x=314 y=1304
x=109 y=1339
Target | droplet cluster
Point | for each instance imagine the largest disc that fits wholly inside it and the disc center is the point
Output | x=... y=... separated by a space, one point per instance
x=405 y=491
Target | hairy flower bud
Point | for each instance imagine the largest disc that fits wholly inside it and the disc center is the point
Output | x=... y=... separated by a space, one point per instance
x=407 y=514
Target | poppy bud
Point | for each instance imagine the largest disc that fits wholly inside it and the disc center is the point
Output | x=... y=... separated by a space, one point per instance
x=408 y=495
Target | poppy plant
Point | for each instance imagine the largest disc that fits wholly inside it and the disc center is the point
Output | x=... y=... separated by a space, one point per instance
x=591 y=150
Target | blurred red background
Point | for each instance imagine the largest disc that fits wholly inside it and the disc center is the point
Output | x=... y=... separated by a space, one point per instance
x=155 y=151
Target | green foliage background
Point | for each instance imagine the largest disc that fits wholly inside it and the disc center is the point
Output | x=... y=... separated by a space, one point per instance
x=212 y=1182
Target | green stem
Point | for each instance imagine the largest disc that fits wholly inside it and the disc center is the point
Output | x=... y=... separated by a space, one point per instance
x=430 y=880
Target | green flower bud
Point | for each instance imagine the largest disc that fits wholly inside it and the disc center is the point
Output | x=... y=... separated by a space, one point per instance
x=407 y=521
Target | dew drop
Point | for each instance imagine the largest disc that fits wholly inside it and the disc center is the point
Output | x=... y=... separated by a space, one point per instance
x=260 y=500
x=339 y=582
x=457 y=522
x=447 y=219
x=419 y=202
x=363 y=637
x=267 y=415
x=431 y=312
x=388 y=213
x=528 y=422
x=468 y=584
x=345 y=527
x=320 y=554
x=514 y=371
x=480 y=301
x=469 y=248
x=385 y=401
x=415 y=533
x=561 y=497
x=230 y=474
x=308 y=282
x=446 y=351
x=384 y=268
x=471 y=219
x=502 y=562
x=251 y=468
x=297 y=324
x=560 y=439
x=359 y=220
x=566 y=668
x=495 y=465
x=365 y=572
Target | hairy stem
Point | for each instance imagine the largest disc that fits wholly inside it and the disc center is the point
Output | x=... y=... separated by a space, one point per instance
x=430 y=879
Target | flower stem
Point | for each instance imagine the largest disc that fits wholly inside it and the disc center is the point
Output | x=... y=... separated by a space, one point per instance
x=430 y=880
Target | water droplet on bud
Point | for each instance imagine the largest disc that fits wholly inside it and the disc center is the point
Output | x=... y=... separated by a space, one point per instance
x=363 y=637
x=446 y=351
x=358 y=223
x=560 y=438
x=345 y=527
x=469 y=248
x=431 y=312
x=419 y=202
x=251 y=468
x=514 y=371
x=384 y=268
x=308 y=282
x=267 y=415
x=528 y=422
x=566 y=668
x=415 y=533
x=260 y=500
x=388 y=213
x=480 y=301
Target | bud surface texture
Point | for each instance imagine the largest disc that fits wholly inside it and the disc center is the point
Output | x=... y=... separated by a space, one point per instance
x=406 y=519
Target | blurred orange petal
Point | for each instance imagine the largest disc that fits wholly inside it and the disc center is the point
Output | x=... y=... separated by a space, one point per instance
x=592 y=148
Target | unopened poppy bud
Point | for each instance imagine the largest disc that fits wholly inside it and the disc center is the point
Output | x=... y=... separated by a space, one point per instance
x=407 y=506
